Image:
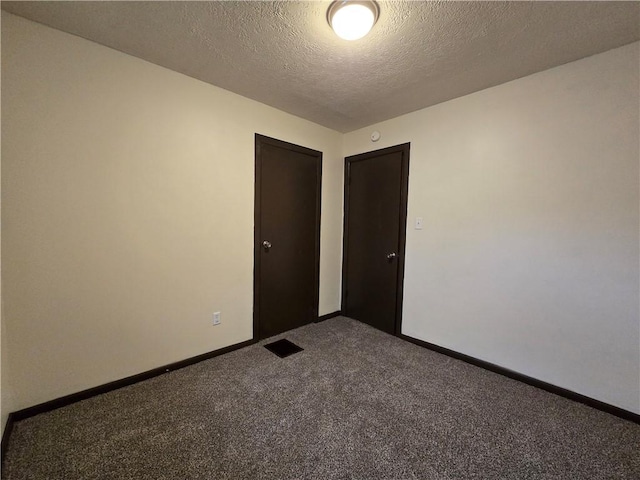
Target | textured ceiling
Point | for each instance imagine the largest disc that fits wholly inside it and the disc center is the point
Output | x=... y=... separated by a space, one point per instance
x=284 y=53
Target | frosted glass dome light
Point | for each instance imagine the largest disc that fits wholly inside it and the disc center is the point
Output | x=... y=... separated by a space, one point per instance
x=352 y=19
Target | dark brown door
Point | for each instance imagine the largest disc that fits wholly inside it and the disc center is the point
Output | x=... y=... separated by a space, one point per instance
x=375 y=222
x=287 y=236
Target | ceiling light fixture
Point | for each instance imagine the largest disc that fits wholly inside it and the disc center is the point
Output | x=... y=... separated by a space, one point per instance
x=352 y=19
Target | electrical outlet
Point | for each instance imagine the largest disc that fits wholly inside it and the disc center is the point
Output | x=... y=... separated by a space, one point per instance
x=216 y=318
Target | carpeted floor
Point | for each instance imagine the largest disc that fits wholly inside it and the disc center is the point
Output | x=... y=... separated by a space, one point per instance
x=356 y=403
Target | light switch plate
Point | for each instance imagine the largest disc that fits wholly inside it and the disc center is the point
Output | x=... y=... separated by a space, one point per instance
x=418 y=223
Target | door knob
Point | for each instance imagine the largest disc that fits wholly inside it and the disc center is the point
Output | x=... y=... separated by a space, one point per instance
x=266 y=244
x=391 y=256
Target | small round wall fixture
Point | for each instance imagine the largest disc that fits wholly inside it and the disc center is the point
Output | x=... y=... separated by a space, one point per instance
x=352 y=19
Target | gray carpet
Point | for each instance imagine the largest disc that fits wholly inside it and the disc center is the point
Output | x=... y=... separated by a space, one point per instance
x=356 y=403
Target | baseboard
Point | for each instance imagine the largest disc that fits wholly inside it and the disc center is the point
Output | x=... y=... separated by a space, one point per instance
x=8 y=428
x=322 y=318
x=563 y=392
x=108 y=387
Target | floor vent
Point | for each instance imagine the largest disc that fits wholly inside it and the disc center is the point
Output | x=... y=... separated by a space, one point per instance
x=283 y=348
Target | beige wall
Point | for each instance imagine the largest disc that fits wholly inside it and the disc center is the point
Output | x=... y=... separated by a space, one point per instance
x=128 y=196
x=5 y=400
x=529 y=254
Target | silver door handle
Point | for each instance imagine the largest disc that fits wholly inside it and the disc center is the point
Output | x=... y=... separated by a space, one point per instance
x=266 y=244
x=391 y=256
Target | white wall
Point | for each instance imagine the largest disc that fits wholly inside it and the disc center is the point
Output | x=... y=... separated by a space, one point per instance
x=128 y=195
x=529 y=254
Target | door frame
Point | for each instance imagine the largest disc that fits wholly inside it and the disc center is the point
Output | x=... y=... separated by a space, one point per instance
x=402 y=233
x=257 y=230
